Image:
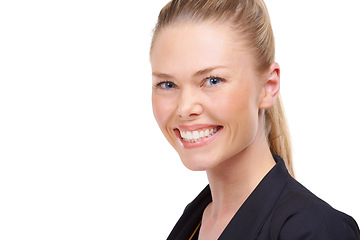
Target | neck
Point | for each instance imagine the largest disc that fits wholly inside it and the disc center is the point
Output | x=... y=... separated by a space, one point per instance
x=233 y=181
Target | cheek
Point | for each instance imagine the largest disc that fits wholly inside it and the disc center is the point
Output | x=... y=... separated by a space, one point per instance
x=238 y=111
x=235 y=105
x=162 y=109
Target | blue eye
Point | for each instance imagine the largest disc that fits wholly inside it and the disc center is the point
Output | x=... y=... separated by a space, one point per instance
x=212 y=81
x=166 y=85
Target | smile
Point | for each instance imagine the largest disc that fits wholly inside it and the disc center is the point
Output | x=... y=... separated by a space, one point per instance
x=196 y=135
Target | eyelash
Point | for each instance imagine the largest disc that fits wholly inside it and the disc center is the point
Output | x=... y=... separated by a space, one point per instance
x=212 y=77
x=158 y=85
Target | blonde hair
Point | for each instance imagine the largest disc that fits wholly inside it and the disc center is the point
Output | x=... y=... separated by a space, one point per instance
x=251 y=19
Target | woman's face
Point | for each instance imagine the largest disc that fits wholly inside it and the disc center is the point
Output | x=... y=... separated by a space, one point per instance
x=206 y=93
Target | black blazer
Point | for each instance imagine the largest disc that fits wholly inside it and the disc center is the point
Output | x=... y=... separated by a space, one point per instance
x=279 y=208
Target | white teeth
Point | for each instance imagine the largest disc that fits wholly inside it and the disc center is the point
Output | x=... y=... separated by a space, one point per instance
x=194 y=136
x=188 y=135
x=202 y=134
x=207 y=133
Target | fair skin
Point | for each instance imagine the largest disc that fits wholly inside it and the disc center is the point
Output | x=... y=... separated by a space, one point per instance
x=209 y=103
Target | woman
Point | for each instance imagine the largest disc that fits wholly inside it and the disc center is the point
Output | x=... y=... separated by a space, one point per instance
x=216 y=100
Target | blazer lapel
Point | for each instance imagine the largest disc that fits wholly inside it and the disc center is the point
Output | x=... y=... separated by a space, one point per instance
x=191 y=217
x=251 y=216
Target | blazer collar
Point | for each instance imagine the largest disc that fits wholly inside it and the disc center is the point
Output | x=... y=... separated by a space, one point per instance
x=251 y=216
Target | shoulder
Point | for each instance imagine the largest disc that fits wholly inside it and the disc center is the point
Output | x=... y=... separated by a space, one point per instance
x=299 y=214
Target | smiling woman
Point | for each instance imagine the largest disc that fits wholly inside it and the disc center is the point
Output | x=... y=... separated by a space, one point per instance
x=216 y=100
x=188 y=98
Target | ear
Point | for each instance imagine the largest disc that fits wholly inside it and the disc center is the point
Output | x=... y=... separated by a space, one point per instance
x=271 y=87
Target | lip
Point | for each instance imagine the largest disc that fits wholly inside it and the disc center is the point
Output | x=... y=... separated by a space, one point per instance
x=200 y=143
x=195 y=127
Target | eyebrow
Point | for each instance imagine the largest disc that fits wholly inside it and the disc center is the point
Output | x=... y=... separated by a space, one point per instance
x=162 y=75
x=198 y=73
x=207 y=70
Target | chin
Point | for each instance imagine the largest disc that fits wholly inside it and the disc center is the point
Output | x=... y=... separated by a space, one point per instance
x=196 y=164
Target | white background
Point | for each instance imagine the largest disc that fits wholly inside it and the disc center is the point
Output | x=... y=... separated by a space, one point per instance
x=81 y=156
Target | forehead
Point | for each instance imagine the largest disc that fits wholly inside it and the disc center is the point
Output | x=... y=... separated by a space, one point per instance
x=192 y=46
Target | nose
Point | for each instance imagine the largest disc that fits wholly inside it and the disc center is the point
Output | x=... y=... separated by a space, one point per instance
x=189 y=106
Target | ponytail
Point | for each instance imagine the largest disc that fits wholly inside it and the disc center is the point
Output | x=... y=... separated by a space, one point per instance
x=278 y=135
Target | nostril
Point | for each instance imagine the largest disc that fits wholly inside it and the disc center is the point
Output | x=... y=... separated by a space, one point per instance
x=190 y=113
x=189 y=107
